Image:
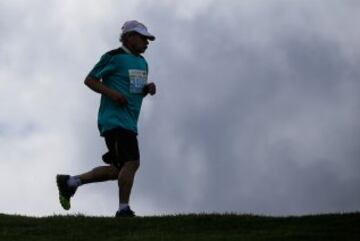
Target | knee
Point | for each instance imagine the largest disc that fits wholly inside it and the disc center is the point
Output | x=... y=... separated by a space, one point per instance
x=113 y=173
x=132 y=166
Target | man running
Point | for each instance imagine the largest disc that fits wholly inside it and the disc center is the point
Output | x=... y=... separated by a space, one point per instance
x=121 y=78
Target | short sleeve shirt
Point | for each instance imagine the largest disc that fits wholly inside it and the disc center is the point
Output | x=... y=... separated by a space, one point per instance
x=127 y=74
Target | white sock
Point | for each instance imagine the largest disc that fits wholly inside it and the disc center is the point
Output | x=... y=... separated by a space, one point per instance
x=123 y=205
x=74 y=181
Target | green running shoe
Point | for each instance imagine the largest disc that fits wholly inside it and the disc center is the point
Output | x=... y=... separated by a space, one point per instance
x=65 y=191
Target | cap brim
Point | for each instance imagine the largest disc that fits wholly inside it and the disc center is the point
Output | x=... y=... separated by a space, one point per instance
x=150 y=37
x=146 y=34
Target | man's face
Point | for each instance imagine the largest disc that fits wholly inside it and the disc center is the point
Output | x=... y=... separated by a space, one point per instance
x=138 y=43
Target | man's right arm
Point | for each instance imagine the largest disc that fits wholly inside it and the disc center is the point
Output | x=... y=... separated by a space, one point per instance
x=97 y=86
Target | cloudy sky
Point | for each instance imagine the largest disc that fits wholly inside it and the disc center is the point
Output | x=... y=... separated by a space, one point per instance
x=257 y=111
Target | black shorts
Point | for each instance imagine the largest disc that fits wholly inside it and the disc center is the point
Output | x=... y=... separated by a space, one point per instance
x=122 y=145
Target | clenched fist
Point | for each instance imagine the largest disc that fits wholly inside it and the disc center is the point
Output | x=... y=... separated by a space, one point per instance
x=150 y=89
x=118 y=98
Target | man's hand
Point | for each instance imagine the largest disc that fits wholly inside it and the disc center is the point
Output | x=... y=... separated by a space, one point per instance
x=118 y=98
x=150 y=89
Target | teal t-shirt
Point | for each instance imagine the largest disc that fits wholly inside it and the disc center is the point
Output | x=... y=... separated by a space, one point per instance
x=127 y=74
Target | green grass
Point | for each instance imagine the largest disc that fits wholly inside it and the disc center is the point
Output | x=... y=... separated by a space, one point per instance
x=209 y=227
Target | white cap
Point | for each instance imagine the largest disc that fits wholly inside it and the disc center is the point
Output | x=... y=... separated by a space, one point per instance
x=135 y=26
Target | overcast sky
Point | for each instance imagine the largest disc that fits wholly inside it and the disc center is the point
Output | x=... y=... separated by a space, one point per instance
x=257 y=111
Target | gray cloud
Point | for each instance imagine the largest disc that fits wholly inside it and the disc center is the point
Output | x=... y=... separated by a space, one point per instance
x=264 y=105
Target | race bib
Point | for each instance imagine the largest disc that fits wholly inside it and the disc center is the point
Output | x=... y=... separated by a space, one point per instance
x=138 y=79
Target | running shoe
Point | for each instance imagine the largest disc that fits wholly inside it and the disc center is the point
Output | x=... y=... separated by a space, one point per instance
x=65 y=191
x=126 y=212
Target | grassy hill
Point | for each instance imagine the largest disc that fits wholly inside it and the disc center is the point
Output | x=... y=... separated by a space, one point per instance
x=209 y=227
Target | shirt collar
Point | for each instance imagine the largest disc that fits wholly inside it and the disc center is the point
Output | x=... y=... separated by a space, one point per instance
x=126 y=49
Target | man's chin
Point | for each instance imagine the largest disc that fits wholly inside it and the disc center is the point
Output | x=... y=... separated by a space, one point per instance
x=141 y=51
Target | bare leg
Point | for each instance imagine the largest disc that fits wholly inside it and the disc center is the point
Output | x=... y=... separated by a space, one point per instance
x=100 y=174
x=126 y=180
